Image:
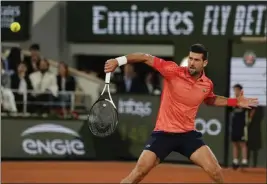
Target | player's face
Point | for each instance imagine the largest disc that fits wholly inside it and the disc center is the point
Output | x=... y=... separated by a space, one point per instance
x=237 y=92
x=196 y=63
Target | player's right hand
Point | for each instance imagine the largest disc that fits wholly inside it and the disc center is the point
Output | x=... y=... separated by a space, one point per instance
x=111 y=65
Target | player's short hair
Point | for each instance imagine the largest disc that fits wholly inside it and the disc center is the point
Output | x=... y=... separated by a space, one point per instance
x=200 y=49
x=238 y=86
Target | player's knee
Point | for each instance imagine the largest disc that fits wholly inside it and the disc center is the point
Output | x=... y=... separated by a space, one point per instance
x=214 y=171
x=141 y=171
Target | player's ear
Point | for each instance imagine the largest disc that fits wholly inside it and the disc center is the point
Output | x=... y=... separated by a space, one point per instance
x=205 y=63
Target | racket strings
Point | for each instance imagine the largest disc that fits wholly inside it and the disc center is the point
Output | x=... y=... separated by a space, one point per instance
x=103 y=118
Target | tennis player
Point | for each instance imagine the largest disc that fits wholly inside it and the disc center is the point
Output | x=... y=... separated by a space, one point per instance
x=185 y=88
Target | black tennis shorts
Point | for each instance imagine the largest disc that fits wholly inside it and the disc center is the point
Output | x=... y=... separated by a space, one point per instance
x=163 y=143
x=239 y=132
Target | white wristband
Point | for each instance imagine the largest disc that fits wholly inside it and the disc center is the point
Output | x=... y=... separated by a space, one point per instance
x=122 y=60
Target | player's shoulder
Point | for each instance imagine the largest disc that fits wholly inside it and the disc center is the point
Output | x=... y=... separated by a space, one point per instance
x=208 y=80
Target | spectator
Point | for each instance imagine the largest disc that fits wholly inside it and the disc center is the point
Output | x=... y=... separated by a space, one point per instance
x=65 y=83
x=21 y=83
x=13 y=60
x=35 y=50
x=5 y=78
x=151 y=86
x=8 y=99
x=130 y=83
x=32 y=61
x=44 y=86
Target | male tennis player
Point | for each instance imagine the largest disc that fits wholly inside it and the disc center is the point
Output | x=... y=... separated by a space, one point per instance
x=185 y=88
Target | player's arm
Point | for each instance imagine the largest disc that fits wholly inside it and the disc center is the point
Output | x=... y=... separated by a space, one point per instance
x=217 y=100
x=166 y=68
x=241 y=101
x=136 y=58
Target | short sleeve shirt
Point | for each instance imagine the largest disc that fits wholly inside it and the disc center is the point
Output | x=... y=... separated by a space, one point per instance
x=181 y=97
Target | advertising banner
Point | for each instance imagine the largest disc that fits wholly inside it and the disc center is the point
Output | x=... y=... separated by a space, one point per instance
x=162 y=21
x=65 y=139
x=248 y=68
x=43 y=139
x=15 y=11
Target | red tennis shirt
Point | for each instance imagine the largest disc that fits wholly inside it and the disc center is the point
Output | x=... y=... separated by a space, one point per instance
x=181 y=97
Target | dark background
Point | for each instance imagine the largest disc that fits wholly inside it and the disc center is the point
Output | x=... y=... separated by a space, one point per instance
x=24 y=20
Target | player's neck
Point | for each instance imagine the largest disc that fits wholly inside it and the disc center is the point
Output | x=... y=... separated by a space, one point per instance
x=197 y=76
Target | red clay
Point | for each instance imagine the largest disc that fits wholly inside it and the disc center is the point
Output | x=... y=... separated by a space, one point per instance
x=113 y=172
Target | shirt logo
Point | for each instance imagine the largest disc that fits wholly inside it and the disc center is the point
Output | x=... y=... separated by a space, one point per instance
x=204 y=90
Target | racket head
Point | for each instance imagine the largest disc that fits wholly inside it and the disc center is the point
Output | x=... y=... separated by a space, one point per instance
x=103 y=118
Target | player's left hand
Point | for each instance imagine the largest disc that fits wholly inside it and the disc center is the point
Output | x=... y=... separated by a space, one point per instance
x=246 y=102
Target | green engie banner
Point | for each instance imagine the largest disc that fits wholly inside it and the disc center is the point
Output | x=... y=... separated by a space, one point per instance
x=162 y=21
x=33 y=139
x=65 y=139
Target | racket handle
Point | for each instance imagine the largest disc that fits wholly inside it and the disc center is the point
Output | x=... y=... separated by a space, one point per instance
x=107 y=79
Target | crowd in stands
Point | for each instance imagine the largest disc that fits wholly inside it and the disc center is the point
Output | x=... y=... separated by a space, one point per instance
x=27 y=85
x=131 y=82
x=27 y=78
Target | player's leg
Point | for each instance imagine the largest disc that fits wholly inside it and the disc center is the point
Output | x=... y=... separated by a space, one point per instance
x=235 y=162
x=236 y=137
x=147 y=161
x=204 y=157
x=157 y=148
x=244 y=152
x=243 y=146
x=194 y=148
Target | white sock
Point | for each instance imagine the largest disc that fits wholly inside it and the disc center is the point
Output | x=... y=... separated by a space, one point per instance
x=244 y=161
x=235 y=161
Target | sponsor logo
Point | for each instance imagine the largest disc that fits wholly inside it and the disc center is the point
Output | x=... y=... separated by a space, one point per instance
x=217 y=20
x=44 y=144
x=246 y=20
x=249 y=58
x=136 y=22
x=9 y=14
x=212 y=127
x=133 y=107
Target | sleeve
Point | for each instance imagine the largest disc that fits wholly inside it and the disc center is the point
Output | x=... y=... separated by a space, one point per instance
x=53 y=87
x=31 y=77
x=209 y=100
x=167 y=69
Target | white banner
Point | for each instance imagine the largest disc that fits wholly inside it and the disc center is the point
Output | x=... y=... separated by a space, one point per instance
x=250 y=72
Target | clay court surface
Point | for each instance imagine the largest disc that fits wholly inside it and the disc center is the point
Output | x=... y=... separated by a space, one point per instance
x=113 y=172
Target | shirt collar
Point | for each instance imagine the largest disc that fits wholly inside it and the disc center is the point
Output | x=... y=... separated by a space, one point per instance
x=202 y=77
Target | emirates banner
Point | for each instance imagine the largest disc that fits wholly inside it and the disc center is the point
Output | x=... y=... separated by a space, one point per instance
x=119 y=21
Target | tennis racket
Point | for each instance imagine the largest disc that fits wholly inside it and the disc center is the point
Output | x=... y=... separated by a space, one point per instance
x=103 y=115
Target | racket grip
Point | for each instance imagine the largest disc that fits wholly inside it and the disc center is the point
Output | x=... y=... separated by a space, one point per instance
x=107 y=79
